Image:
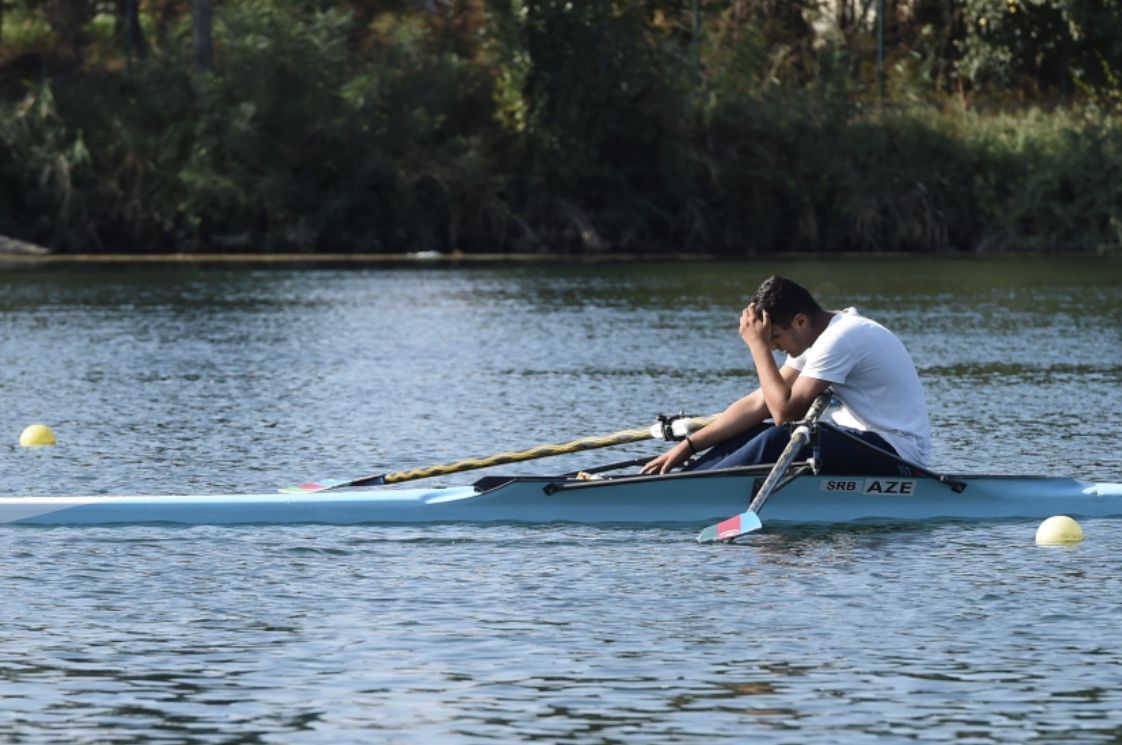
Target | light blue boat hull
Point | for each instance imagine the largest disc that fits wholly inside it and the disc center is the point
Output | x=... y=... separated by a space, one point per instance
x=694 y=499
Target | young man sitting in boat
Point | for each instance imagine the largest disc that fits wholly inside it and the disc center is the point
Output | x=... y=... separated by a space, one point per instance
x=867 y=367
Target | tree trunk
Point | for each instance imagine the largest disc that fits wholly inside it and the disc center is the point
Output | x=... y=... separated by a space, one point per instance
x=135 y=43
x=201 y=33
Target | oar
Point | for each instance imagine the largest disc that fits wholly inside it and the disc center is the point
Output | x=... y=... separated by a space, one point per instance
x=665 y=429
x=746 y=522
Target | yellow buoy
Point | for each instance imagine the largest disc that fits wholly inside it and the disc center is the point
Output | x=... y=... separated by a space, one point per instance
x=37 y=434
x=1058 y=530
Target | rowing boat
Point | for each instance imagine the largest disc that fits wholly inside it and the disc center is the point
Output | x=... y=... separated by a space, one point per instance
x=787 y=491
x=684 y=499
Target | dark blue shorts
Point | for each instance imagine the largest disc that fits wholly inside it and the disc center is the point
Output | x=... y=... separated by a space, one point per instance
x=838 y=454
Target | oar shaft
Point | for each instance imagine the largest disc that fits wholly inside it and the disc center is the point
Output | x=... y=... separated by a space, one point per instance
x=800 y=437
x=515 y=456
x=746 y=522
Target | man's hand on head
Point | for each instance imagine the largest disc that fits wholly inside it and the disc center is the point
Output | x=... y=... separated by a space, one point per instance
x=755 y=328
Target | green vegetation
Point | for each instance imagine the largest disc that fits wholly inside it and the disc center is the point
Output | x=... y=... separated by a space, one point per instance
x=558 y=125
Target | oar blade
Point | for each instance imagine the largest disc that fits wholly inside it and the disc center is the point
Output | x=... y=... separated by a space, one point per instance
x=312 y=486
x=731 y=529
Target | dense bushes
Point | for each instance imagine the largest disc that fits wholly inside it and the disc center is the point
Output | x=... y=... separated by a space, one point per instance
x=544 y=125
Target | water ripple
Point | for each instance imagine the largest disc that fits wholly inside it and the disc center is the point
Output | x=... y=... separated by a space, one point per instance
x=236 y=380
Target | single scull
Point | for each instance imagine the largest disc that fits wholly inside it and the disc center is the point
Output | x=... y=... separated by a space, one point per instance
x=790 y=491
x=690 y=498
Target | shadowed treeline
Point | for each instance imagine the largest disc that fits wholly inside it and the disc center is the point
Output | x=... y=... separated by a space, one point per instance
x=751 y=126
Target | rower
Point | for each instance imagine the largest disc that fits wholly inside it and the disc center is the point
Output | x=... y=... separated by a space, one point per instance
x=868 y=369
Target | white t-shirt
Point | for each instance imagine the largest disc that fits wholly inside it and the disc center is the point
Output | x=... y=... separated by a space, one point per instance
x=875 y=379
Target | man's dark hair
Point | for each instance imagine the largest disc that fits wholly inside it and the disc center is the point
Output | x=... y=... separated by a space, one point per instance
x=783 y=299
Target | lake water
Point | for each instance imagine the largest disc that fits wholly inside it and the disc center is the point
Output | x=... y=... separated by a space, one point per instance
x=194 y=379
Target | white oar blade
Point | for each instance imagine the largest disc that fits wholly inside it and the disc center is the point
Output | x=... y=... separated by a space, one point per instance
x=731 y=529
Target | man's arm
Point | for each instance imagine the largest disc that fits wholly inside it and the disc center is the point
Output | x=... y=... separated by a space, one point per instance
x=786 y=397
x=802 y=394
x=740 y=416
